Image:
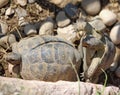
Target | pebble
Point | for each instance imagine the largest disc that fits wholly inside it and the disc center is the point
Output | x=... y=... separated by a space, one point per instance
x=62 y=20
x=31 y=1
x=30 y=29
x=9 y=11
x=92 y=7
x=47 y=27
x=3 y=3
x=21 y=2
x=115 y=34
x=98 y=25
x=71 y=10
x=3 y=27
x=117 y=72
x=108 y=17
x=68 y=33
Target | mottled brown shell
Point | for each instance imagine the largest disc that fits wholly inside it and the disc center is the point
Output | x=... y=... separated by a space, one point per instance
x=47 y=58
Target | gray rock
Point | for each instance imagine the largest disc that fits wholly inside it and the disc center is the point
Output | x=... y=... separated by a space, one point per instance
x=92 y=7
x=3 y=27
x=15 y=86
x=71 y=10
x=47 y=27
x=21 y=2
x=62 y=20
x=3 y=3
x=30 y=29
x=98 y=25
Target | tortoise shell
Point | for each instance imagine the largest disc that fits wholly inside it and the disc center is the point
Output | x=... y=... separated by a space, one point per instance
x=47 y=58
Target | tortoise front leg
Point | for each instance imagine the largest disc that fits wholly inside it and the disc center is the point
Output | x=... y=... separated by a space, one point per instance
x=91 y=70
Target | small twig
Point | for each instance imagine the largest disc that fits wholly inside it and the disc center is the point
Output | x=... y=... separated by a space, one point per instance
x=76 y=75
x=106 y=78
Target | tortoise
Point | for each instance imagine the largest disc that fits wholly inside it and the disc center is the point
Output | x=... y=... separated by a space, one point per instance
x=46 y=58
x=98 y=55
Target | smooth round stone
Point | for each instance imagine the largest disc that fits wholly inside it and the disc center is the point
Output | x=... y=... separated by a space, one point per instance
x=71 y=10
x=21 y=2
x=9 y=11
x=3 y=3
x=115 y=34
x=108 y=17
x=62 y=20
x=30 y=29
x=92 y=7
x=47 y=27
x=117 y=72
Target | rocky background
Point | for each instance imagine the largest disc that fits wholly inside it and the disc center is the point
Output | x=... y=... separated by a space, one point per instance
x=22 y=18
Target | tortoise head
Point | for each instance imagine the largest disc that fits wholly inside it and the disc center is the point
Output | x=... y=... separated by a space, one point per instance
x=13 y=58
x=92 y=42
